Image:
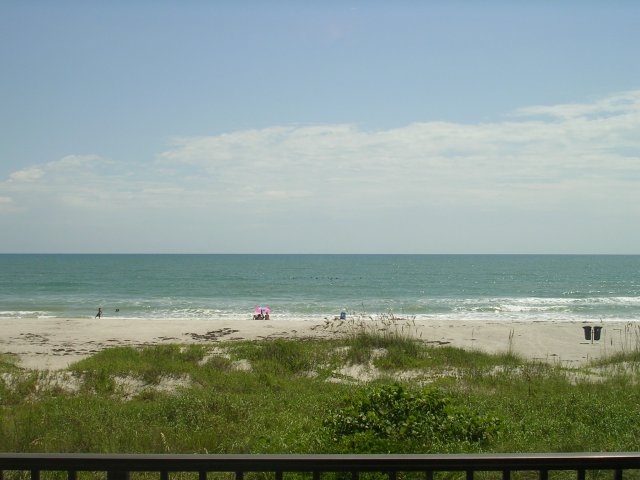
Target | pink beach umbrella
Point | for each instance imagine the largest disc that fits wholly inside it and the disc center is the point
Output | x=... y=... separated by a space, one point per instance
x=263 y=310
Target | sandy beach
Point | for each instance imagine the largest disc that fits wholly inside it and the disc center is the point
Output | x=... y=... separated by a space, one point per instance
x=52 y=344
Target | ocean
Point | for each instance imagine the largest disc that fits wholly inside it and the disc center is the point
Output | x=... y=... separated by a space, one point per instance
x=452 y=287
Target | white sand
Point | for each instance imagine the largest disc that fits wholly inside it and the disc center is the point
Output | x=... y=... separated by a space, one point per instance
x=51 y=344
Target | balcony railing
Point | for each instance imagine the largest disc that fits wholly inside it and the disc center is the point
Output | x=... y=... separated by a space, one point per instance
x=120 y=466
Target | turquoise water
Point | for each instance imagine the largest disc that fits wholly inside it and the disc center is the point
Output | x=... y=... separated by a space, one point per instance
x=457 y=287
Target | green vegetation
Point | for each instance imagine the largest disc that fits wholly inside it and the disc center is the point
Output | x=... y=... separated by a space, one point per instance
x=393 y=419
x=373 y=390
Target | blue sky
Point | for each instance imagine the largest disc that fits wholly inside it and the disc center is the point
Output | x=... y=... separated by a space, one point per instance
x=320 y=127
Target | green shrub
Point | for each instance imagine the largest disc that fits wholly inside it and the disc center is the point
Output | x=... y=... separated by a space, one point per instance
x=397 y=336
x=150 y=363
x=393 y=419
x=278 y=357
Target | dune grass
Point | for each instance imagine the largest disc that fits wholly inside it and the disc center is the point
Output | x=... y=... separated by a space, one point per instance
x=275 y=396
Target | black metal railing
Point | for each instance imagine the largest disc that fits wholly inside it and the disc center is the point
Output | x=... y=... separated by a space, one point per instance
x=120 y=466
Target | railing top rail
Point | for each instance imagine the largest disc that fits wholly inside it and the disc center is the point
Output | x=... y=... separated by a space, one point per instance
x=309 y=463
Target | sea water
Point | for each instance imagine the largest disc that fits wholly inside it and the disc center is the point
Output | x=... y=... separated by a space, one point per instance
x=453 y=287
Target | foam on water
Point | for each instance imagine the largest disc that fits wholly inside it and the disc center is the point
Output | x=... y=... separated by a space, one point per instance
x=453 y=287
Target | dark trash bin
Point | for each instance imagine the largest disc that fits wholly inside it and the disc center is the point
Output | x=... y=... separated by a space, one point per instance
x=596 y=333
x=587 y=333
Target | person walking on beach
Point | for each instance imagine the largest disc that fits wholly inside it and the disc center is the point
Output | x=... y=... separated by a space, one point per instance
x=99 y=314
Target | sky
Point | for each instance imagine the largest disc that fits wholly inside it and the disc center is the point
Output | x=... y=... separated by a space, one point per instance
x=320 y=127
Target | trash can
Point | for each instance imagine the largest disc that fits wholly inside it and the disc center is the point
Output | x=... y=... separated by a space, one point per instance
x=596 y=333
x=587 y=333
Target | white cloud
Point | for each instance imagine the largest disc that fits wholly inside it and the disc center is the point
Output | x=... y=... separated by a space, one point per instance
x=75 y=162
x=6 y=204
x=563 y=161
x=613 y=105
x=574 y=153
x=27 y=175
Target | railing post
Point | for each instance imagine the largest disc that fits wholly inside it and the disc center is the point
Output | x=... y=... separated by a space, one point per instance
x=617 y=475
x=581 y=474
x=239 y=475
x=544 y=474
x=117 y=475
x=470 y=474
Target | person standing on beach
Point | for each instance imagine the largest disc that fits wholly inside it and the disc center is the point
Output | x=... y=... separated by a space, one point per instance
x=99 y=314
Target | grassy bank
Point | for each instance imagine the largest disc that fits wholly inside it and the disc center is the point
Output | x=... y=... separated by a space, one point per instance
x=375 y=390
